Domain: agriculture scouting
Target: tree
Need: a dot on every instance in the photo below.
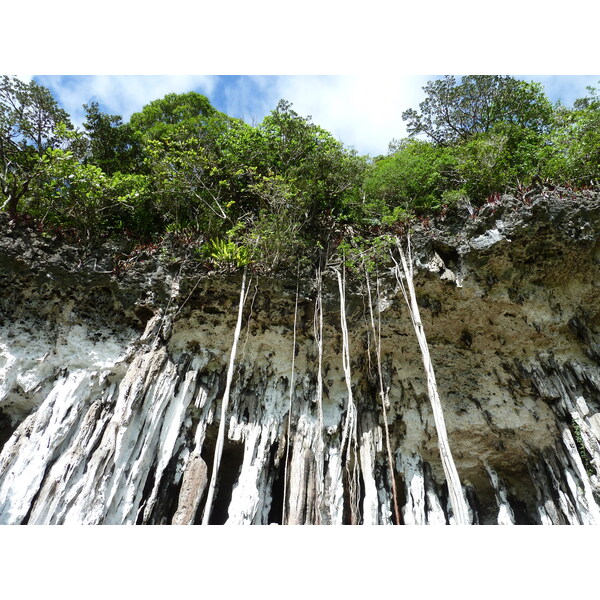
(73, 194)
(191, 186)
(572, 152)
(30, 121)
(274, 188)
(289, 139)
(178, 117)
(112, 145)
(453, 112)
(412, 179)
(275, 234)
(327, 174)
(182, 137)
(494, 129)
(501, 160)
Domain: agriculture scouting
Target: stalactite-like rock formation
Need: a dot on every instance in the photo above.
(112, 384)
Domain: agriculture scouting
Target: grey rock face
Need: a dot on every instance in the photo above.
(111, 383)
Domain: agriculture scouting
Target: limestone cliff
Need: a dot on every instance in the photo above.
(112, 379)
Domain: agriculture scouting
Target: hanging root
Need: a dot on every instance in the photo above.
(224, 404)
(166, 316)
(320, 449)
(349, 436)
(383, 393)
(289, 419)
(248, 320)
(459, 506)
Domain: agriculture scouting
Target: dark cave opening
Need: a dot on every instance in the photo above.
(277, 490)
(519, 508)
(145, 494)
(6, 428)
(167, 497)
(229, 471)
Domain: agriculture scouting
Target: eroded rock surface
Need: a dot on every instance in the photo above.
(111, 382)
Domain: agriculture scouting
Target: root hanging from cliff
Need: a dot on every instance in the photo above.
(349, 443)
(248, 321)
(382, 392)
(320, 449)
(459, 506)
(289, 419)
(224, 404)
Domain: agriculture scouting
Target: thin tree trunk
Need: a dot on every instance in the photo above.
(459, 506)
(224, 404)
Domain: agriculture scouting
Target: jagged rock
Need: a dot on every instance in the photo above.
(111, 382)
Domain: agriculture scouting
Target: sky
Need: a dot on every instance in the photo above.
(363, 111)
(353, 67)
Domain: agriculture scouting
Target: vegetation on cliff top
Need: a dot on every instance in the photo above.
(284, 190)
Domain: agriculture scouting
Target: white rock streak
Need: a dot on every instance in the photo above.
(505, 512)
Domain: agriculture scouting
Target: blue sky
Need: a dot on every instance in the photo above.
(363, 111)
(353, 67)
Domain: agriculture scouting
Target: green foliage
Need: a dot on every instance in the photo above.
(133, 206)
(29, 125)
(572, 150)
(495, 130)
(277, 233)
(74, 194)
(112, 145)
(29, 115)
(178, 117)
(359, 253)
(286, 180)
(481, 164)
(320, 166)
(453, 112)
(228, 253)
(582, 450)
(195, 182)
(283, 191)
(410, 180)
(80, 196)
(190, 187)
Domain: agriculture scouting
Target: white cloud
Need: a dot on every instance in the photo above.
(567, 88)
(119, 94)
(363, 111)
(249, 98)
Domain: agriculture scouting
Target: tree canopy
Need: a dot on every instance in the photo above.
(453, 112)
(30, 121)
(282, 191)
(111, 143)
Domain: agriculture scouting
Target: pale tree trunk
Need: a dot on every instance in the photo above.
(224, 404)
(457, 501)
